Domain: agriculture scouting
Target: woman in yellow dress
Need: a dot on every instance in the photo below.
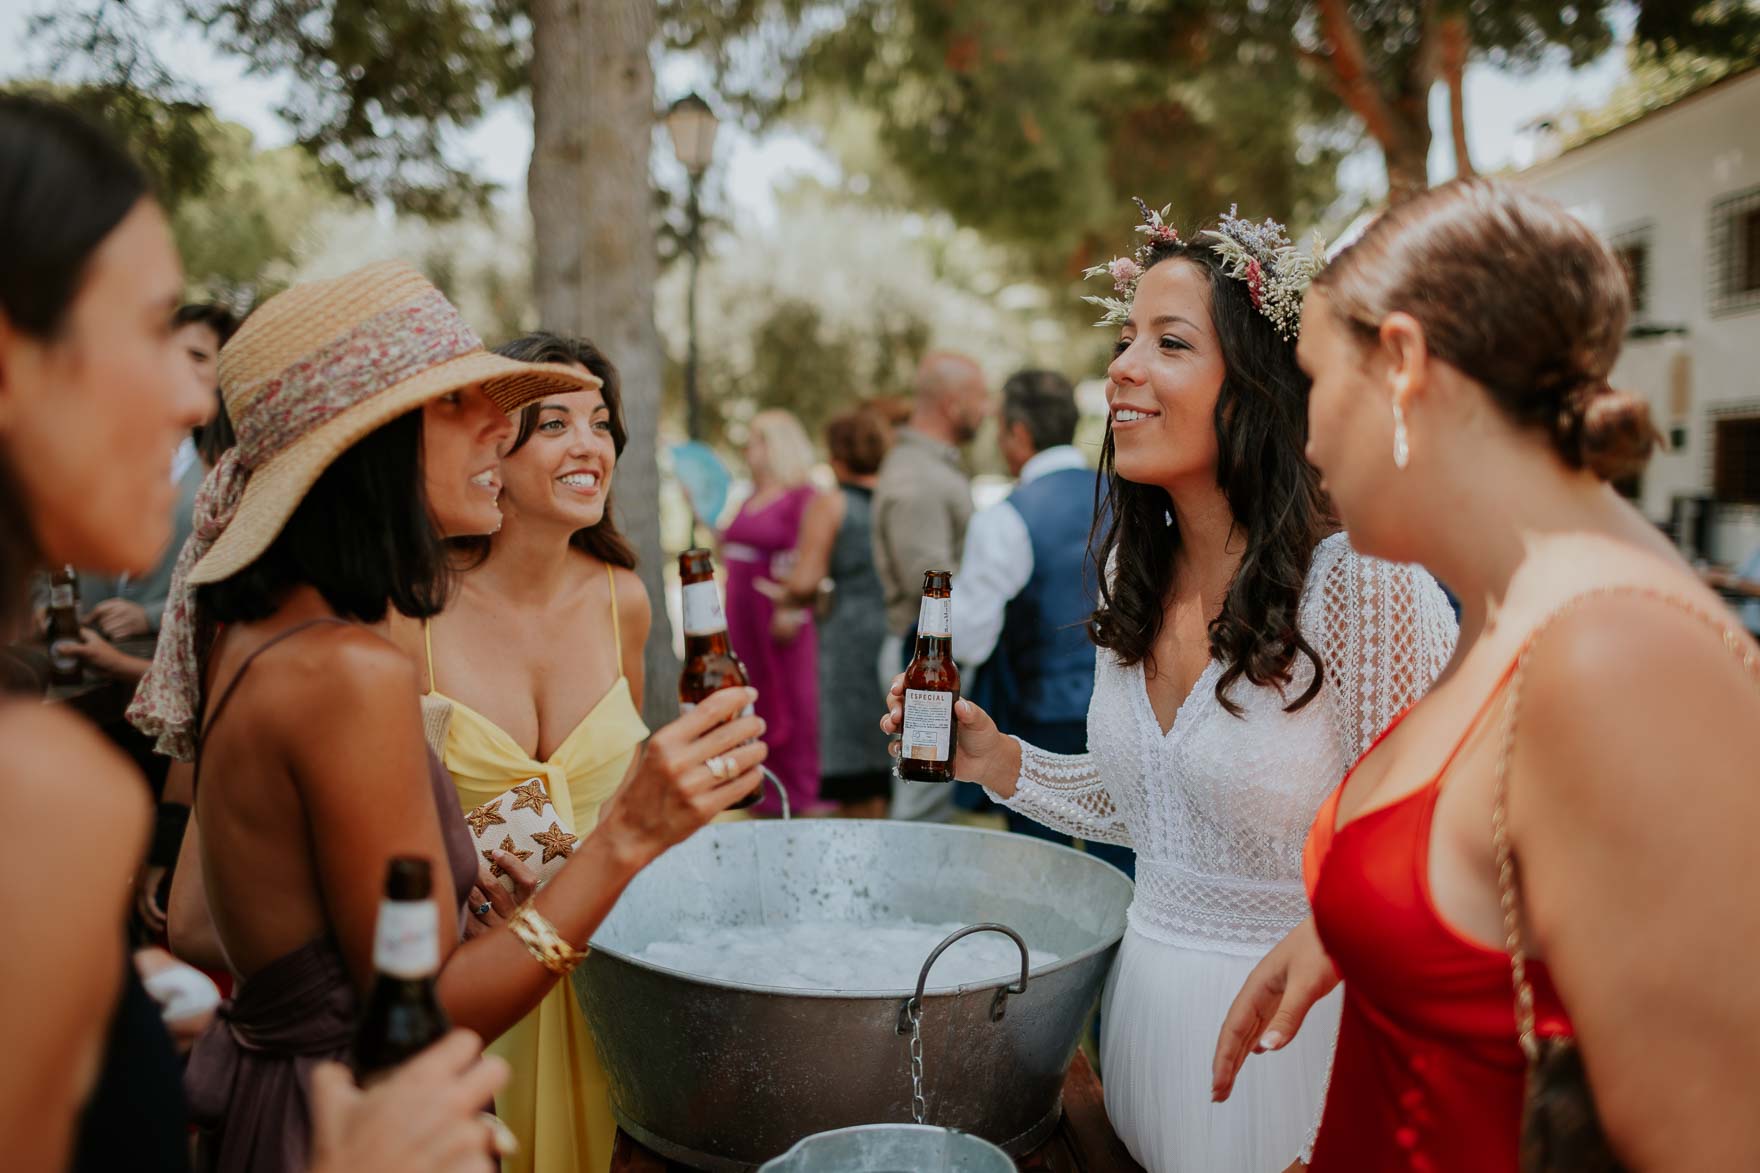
(539, 659)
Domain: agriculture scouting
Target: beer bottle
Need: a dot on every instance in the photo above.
(709, 662)
(931, 688)
(402, 1014)
(64, 669)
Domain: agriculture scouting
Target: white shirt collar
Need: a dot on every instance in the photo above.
(1058, 459)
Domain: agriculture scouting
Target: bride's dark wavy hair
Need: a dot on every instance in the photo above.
(1273, 492)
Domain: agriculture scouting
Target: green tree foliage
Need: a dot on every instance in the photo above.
(1032, 120)
(806, 365)
(374, 86)
(1725, 30)
(241, 236)
(1020, 118)
(1035, 122)
(107, 73)
(238, 214)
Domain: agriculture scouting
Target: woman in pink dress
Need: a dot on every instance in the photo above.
(777, 642)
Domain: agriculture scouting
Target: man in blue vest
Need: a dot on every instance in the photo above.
(1025, 589)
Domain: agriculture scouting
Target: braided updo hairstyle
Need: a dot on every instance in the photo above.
(1515, 292)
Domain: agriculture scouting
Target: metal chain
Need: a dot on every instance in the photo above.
(919, 1107)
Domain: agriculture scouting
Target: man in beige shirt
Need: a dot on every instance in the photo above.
(921, 506)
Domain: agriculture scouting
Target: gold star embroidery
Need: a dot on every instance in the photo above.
(496, 869)
(555, 842)
(530, 795)
(483, 818)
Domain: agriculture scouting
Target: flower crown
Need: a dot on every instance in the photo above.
(1277, 273)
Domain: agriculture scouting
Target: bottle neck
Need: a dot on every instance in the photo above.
(712, 643)
(703, 616)
(934, 620)
(933, 647)
(406, 939)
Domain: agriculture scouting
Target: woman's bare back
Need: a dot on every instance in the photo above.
(316, 753)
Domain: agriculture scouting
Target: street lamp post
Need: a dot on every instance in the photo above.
(692, 126)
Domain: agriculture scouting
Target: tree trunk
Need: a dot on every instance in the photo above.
(1399, 121)
(1407, 152)
(1455, 47)
(595, 258)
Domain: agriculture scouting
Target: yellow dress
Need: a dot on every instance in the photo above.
(557, 1101)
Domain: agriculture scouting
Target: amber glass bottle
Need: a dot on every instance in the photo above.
(63, 625)
(931, 688)
(402, 1013)
(709, 662)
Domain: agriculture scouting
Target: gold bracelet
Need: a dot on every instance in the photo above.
(543, 942)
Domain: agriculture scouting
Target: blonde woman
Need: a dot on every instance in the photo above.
(780, 651)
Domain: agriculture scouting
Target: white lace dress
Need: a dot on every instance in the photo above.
(1218, 809)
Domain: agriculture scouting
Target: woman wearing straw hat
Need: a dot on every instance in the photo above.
(369, 420)
(94, 400)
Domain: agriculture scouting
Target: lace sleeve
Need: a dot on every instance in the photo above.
(1064, 791)
(1387, 631)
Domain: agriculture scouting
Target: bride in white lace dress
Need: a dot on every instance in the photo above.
(1211, 742)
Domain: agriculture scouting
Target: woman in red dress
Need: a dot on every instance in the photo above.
(1462, 419)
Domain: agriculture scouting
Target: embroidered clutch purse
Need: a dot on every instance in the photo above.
(522, 822)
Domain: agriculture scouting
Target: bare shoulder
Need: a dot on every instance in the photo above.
(634, 610)
(339, 668)
(56, 767)
(1626, 686)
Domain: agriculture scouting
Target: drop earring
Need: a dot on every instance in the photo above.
(1402, 450)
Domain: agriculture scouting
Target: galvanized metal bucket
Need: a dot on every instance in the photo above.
(892, 1148)
(724, 1076)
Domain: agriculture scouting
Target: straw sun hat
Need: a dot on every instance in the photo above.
(321, 365)
(310, 373)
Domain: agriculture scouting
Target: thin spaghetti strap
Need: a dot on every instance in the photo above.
(616, 627)
(204, 726)
(1483, 711)
(428, 642)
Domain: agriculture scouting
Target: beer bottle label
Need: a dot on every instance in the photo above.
(936, 617)
(702, 609)
(61, 595)
(406, 940)
(928, 724)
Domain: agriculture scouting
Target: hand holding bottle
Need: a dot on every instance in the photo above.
(423, 1117)
(982, 754)
(689, 772)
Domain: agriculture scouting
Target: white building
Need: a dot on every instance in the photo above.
(1677, 192)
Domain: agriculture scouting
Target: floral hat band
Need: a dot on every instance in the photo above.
(378, 352)
(1275, 271)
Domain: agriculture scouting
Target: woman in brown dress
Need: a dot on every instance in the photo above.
(370, 421)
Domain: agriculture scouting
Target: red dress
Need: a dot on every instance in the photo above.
(1428, 1074)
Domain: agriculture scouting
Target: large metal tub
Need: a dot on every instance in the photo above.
(724, 1076)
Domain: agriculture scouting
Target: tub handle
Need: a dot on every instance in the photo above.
(780, 792)
(998, 1004)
